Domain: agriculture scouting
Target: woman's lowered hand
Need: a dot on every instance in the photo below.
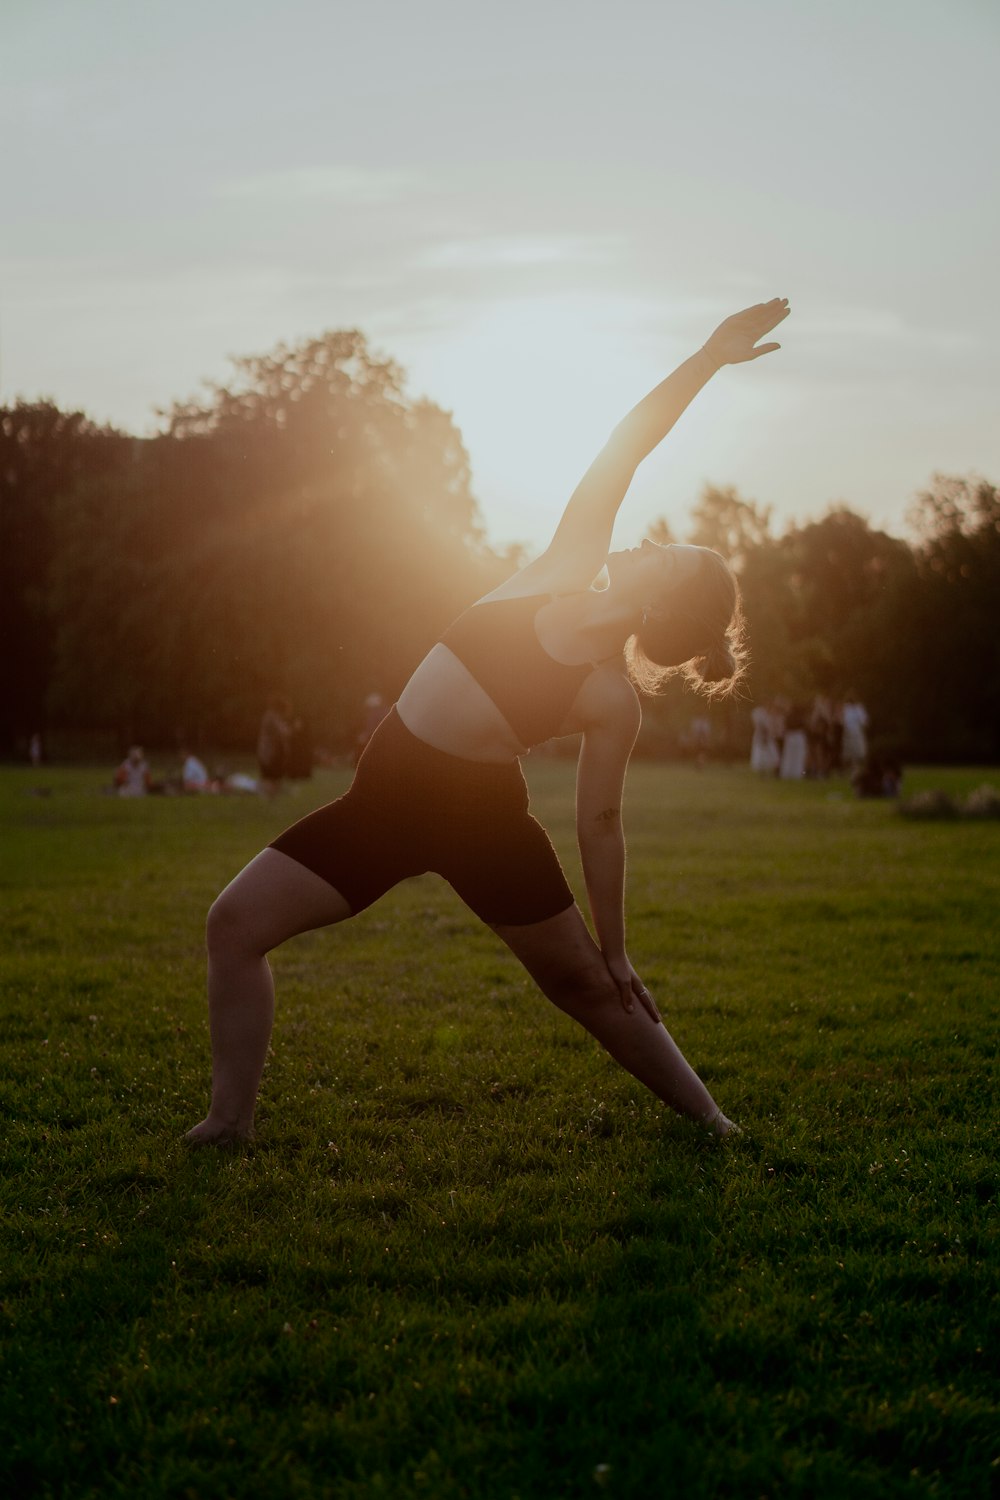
(631, 987)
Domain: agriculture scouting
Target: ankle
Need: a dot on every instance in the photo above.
(719, 1124)
(238, 1122)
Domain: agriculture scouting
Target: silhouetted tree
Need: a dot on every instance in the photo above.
(308, 530)
(950, 616)
(45, 454)
(838, 573)
(722, 519)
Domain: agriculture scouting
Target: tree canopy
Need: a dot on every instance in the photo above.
(308, 529)
(837, 606)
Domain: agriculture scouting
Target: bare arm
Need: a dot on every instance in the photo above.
(580, 545)
(600, 783)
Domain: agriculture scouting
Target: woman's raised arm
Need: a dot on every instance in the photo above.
(579, 548)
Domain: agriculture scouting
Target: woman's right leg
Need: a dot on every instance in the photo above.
(272, 899)
(568, 967)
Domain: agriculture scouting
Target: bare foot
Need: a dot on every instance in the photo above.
(720, 1125)
(211, 1132)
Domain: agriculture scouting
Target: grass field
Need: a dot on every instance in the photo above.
(467, 1256)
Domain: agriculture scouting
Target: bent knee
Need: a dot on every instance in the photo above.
(227, 926)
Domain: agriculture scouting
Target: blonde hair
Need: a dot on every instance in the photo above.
(697, 633)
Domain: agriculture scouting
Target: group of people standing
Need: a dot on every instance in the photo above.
(792, 740)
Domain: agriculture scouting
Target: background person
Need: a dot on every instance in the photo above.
(795, 745)
(764, 753)
(132, 777)
(439, 786)
(194, 774)
(272, 744)
(837, 736)
(299, 749)
(854, 743)
(819, 733)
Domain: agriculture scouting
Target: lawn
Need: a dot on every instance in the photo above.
(467, 1255)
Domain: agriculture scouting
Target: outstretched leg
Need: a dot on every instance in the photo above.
(567, 965)
(272, 899)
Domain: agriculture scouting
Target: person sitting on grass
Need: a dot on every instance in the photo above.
(194, 775)
(132, 777)
(439, 785)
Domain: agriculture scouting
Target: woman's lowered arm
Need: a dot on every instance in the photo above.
(600, 781)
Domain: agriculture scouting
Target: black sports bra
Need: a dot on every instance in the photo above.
(496, 640)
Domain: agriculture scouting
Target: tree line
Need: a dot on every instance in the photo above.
(309, 530)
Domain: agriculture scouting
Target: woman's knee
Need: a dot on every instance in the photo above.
(271, 900)
(583, 989)
(227, 927)
(564, 961)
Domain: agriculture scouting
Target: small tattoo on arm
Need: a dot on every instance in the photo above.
(607, 815)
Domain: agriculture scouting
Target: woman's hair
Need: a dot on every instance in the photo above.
(696, 632)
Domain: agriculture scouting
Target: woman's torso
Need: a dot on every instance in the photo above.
(446, 705)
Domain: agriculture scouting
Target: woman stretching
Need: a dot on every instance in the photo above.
(439, 786)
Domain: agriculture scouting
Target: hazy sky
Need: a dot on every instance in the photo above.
(537, 207)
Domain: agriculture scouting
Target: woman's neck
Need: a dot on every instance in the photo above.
(605, 623)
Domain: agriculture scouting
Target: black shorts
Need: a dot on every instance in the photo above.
(411, 809)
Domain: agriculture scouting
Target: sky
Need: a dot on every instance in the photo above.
(538, 209)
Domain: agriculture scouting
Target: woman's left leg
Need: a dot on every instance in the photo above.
(271, 900)
(568, 967)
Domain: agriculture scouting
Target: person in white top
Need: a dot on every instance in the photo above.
(795, 747)
(854, 747)
(194, 776)
(132, 777)
(764, 755)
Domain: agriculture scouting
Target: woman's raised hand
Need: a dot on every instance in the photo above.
(735, 340)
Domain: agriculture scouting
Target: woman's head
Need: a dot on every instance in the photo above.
(692, 624)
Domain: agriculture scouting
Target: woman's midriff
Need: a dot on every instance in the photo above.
(444, 705)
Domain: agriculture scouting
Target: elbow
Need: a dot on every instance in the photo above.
(604, 841)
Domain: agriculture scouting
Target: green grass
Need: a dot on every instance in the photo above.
(467, 1256)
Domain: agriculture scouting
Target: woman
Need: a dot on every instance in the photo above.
(272, 744)
(854, 743)
(439, 786)
(795, 746)
(132, 777)
(764, 756)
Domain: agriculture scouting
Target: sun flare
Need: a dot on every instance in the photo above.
(536, 385)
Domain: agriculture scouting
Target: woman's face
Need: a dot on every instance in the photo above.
(651, 571)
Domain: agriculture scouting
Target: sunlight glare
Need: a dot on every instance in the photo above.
(536, 386)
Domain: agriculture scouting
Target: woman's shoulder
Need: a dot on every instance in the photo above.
(545, 577)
